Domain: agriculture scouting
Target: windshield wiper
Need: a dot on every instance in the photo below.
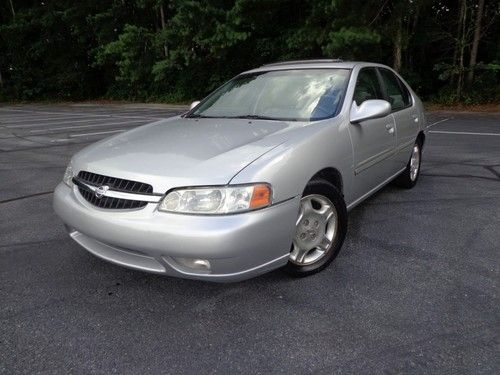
(254, 117)
(198, 116)
(249, 117)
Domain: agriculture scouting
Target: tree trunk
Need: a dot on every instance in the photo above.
(398, 46)
(12, 9)
(475, 42)
(1, 80)
(461, 47)
(163, 26)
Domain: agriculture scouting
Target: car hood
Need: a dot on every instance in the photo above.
(183, 151)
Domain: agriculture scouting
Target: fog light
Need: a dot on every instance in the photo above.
(196, 264)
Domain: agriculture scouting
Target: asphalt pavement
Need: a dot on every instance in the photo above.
(414, 289)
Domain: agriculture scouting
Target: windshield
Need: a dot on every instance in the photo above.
(293, 95)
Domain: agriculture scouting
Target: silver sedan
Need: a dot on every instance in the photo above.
(259, 175)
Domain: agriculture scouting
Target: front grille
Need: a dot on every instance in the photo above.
(117, 184)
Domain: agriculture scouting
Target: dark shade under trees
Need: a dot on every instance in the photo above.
(173, 50)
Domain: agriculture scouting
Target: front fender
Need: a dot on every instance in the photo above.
(291, 165)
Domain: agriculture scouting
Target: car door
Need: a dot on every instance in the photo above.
(405, 115)
(373, 140)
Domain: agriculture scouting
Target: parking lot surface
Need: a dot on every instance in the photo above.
(414, 289)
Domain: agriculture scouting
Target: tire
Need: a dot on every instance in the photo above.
(408, 179)
(320, 226)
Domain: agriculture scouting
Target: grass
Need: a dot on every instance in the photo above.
(492, 107)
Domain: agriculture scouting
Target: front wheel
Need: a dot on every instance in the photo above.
(320, 229)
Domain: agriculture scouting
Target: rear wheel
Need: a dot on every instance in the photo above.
(408, 178)
(320, 229)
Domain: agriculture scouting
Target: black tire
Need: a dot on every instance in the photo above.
(326, 189)
(404, 180)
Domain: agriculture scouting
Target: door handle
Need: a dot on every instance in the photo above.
(390, 128)
(414, 117)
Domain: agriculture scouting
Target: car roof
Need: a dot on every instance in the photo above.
(312, 64)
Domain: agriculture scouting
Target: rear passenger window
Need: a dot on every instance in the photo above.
(367, 86)
(396, 92)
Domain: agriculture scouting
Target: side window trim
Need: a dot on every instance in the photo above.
(377, 74)
(405, 89)
(384, 89)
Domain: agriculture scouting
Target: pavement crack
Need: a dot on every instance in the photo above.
(26, 196)
(460, 176)
(28, 140)
(491, 168)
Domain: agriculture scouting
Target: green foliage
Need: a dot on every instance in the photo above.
(198, 36)
(134, 55)
(484, 89)
(350, 42)
(178, 50)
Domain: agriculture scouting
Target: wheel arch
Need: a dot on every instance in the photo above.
(332, 175)
(421, 138)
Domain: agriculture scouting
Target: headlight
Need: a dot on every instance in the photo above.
(68, 175)
(217, 200)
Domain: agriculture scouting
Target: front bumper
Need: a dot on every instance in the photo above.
(238, 246)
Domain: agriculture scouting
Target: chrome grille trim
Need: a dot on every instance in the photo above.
(117, 184)
(150, 198)
(117, 193)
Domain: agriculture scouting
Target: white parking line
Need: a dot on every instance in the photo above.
(19, 116)
(463, 133)
(36, 119)
(78, 114)
(87, 126)
(96, 133)
(438, 122)
(65, 121)
(41, 126)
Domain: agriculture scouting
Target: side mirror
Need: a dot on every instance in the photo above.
(194, 104)
(369, 109)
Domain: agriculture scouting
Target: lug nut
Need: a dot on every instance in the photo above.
(306, 222)
(302, 236)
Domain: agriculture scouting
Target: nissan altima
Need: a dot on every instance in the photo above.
(259, 175)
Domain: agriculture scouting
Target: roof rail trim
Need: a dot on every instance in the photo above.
(316, 61)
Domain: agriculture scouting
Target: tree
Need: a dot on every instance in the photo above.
(475, 41)
(181, 49)
(12, 8)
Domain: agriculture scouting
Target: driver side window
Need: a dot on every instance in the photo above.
(367, 86)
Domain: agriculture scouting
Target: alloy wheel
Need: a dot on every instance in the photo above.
(316, 229)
